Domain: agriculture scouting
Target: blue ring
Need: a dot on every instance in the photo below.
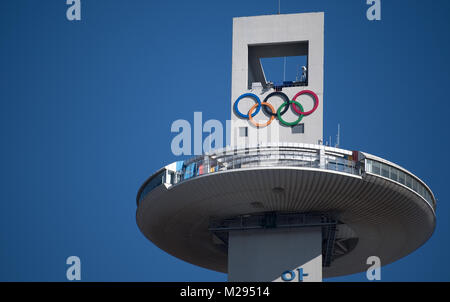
(250, 95)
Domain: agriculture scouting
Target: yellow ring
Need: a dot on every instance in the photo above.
(250, 118)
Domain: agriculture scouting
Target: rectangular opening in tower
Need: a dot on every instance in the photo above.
(278, 65)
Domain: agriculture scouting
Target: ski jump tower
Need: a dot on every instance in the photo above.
(277, 204)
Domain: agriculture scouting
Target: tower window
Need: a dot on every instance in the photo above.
(300, 128)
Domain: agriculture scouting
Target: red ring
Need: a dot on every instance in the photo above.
(316, 102)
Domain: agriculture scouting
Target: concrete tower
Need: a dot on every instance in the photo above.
(278, 205)
(255, 38)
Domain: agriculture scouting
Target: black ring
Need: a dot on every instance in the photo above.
(283, 96)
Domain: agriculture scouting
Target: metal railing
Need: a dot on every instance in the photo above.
(296, 156)
(261, 156)
(266, 157)
(407, 179)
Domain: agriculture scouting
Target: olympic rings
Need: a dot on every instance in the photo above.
(286, 105)
(272, 115)
(280, 94)
(247, 95)
(270, 110)
(316, 102)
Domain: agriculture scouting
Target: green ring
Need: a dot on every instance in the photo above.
(287, 104)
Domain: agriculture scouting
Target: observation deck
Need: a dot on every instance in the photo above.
(378, 208)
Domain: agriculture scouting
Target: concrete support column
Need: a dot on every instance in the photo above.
(271, 254)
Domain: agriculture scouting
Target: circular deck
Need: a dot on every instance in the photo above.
(390, 219)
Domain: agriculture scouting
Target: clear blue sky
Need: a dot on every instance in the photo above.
(86, 109)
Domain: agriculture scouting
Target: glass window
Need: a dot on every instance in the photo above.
(401, 177)
(376, 168)
(339, 164)
(427, 196)
(368, 165)
(384, 170)
(420, 190)
(414, 185)
(394, 174)
(348, 167)
(408, 181)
